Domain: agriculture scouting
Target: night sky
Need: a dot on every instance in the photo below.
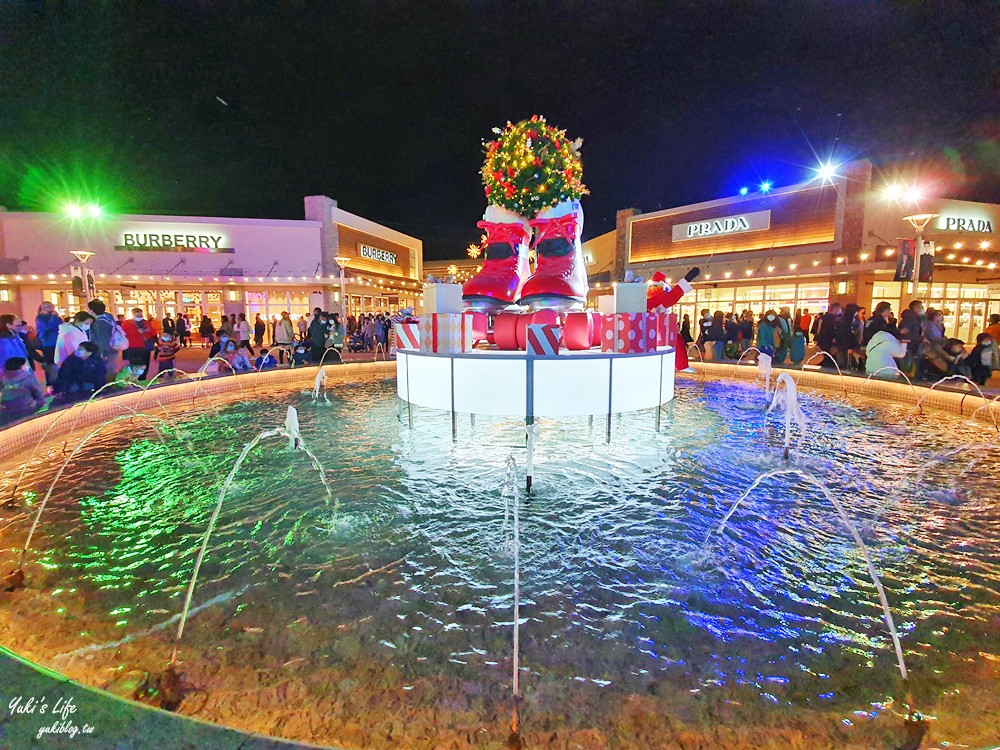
(241, 109)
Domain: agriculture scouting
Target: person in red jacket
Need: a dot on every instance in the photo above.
(141, 341)
(662, 297)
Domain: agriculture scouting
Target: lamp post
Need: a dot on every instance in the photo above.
(343, 262)
(919, 223)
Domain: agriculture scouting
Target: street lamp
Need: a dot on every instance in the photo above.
(343, 262)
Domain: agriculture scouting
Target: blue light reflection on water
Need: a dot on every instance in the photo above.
(613, 539)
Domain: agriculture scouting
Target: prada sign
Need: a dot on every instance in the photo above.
(754, 221)
(374, 253)
(173, 243)
(977, 225)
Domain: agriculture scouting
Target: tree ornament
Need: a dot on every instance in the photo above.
(532, 166)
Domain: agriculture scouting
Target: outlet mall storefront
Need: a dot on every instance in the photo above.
(811, 244)
(207, 266)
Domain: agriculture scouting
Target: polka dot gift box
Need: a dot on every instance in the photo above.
(628, 333)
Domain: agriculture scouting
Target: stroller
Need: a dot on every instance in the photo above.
(357, 342)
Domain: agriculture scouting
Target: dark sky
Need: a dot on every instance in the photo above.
(384, 105)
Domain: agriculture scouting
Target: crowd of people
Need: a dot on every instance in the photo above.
(914, 345)
(64, 359)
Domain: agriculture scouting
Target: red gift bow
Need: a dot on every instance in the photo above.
(496, 232)
(561, 227)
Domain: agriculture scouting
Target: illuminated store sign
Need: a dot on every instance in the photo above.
(374, 253)
(173, 243)
(964, 224)
(696, 230)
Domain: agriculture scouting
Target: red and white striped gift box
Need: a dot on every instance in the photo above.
(407, 336)
(543, 339)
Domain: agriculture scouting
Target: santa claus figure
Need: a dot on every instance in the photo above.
(660, 298)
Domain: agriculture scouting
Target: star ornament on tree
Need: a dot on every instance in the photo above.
(474, 250)
(452, 270)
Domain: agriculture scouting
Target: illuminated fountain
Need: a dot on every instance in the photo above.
(258, 585)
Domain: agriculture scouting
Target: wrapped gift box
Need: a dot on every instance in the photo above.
(630, 297)
(407, 336)
(660, 322)
(446, 333)
(627, 333)
(445, 299)
(543, 339)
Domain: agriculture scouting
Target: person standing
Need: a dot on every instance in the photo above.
(910, 325)
(259, 329)
(805, 324)
(207, 332)
(141, 341)
(169, 325)
(243, 332)
(47, 325)
(284, 337)
(686, 329)
(101, 332)
(166, 352)
(783, 335)
(303, 326)
(336, 339)
(71, 335)
(183, 330)
(11, 345)
(767, 335)
(317, 334)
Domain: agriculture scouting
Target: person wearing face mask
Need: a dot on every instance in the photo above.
(141, 341)
(11, 345)
(300, 356)
(71, 335)
(982, 358)
(80, 374)
(128, 376)
(47, 329)
(767, 334)
(219, 345)
(237, 358)
(166, 352)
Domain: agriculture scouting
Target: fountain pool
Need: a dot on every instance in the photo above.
(382, 617)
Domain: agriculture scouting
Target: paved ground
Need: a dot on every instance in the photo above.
(77, 716)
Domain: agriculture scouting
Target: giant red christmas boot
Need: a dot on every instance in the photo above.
(560, 278)
(505, 262)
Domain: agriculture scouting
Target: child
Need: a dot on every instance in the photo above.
(81, 373)
(22, 393)
(265, 361)
(129, 376)
(300, 356)
(166, 351)
(237, 358)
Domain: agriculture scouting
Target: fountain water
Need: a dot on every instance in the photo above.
(821, 353)
(984, 449)
(319, 387)
(764, 365)
(18, 575)
(912, 716)
(512, 547)
(743, 356)
(531, 431)
(979, 390)
(290, 430)
(898, 372)
(697, 349)
(859, 542)
(788, 401)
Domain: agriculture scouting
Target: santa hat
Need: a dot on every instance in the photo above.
(659, 277)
